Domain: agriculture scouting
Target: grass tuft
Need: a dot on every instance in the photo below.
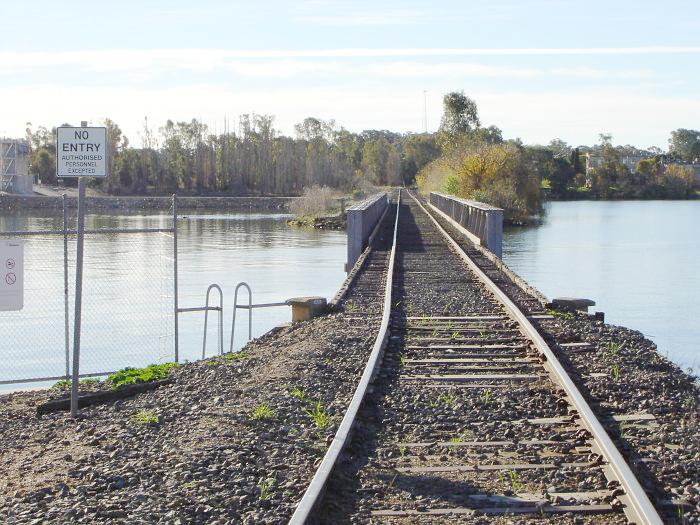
(266, 488)
(486, 397)
(299, 394)
(145, 417)
(320, 418)
(234, 356)
(262, 411)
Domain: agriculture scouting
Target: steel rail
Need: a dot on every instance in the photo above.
(313, 493)
(640, 509)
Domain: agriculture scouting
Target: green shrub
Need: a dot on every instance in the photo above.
(130, 376)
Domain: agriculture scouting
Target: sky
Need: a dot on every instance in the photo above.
(538, 69)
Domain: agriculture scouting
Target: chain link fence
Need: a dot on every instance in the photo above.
(129, 293)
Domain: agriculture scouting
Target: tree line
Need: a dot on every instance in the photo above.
(255, 159)
(475, 162)
(462, 157)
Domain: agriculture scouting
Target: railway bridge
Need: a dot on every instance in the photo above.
(463, 409)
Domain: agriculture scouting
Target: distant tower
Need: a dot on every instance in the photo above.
(14, 167)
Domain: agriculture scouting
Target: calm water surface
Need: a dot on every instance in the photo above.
(127, 303)
(638, 260)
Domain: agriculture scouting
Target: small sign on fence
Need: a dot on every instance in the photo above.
(81, 152)
(11, 275)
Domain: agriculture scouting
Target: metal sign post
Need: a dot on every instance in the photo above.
(80, 152)
(11, 275)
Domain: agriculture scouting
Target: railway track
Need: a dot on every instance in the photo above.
(463, 413)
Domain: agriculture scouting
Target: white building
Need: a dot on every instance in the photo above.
(14, 167)
(595, 161)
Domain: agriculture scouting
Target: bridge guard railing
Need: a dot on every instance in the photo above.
(483, 223)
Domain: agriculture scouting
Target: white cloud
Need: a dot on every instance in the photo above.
(396, 17)
(420, 69)
(588, 72)
(146, 64)
(124, 59)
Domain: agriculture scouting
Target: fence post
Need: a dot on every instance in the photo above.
(175, 297)
(65, 285)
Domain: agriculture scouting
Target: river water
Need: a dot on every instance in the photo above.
(128, 290)
(639, 260)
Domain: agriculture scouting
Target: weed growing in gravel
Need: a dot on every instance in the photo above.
(449, 399)
(145, 417)
(454, 443)
(403, 447)
(689, 401)
(455, 335)
(403, 360)
(234, 356)
(299, 394)
(266, 487)
(64, 384)
(320, 418)
(615, 372)
(350, 306)
(262, 411)
(613, 350)
(562, 315)
(486, 397)
(514, 480)
(130, 376)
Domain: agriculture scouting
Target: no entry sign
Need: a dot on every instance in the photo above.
(81, 152)
(11, 275)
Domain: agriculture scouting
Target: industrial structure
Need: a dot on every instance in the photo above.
(14, 167)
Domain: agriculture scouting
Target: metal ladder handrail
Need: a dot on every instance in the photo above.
(221, 319)
(250, 306)
(206, 309)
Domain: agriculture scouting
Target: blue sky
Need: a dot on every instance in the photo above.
(537, 69)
